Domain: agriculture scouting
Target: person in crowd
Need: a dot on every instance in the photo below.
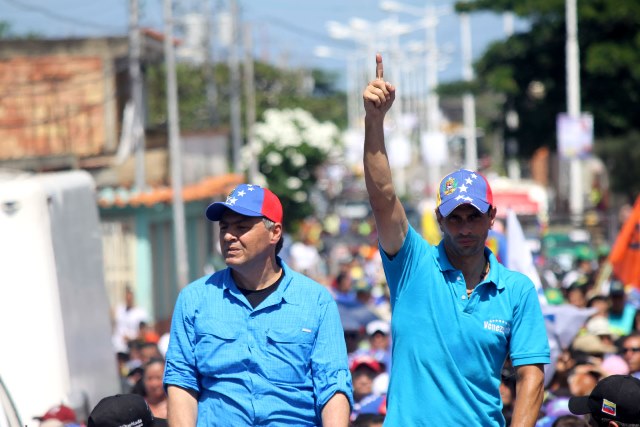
(256, 343)
(303, 253)
(456, 312)
(583, 378)
(127, 318)
(124, 410)
(147, 333)
(601, 304)
(614, 402)
(577, 294)
(369, 420)
(621, 312)
(630, 350)
(61, 415)
(153, 390)
(569, 421)
(379, 345)
(364, 370)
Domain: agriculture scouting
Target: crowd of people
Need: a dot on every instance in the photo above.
(606, 343)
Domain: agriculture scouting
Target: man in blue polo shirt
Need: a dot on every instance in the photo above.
(457, 313)
(256, 343)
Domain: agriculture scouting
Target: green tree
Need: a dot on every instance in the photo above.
(313, 90)
(519, 67)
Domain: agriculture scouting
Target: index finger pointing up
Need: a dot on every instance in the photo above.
(379, 67)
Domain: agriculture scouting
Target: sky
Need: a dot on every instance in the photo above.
(285, 32)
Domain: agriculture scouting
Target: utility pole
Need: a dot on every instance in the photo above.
(135, 76)
(468, 100)
(211, 89)
(250, 93)
(175, 154)
(234, 70)
(576, 200)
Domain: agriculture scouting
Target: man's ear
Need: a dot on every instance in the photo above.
(439, 218)
(276, 232)
(492, 214)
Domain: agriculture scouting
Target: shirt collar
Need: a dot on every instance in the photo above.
(494, 265)
(284, 292)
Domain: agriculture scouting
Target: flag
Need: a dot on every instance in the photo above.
(132, 133)
(562, 322)
(519, 256)
(625, 254)
(497, 242)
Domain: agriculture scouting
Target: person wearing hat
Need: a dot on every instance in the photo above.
(615, 401)
(457, 313)
(256, 343)
(124, 410)
(621, 312)
(59, 415)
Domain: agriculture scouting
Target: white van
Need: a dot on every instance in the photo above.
(54, 314)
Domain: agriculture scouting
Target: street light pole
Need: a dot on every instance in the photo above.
(175, 153)
(468, 100)
(576, 199)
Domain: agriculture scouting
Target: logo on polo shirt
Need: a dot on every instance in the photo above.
(498, 325)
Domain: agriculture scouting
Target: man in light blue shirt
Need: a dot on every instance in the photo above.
(457, 313)
(256, 343)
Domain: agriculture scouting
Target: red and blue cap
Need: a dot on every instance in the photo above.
(248, 200)
(463, 187)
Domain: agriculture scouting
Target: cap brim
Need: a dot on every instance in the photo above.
(216, 210)
(449, 206)
(579, 405)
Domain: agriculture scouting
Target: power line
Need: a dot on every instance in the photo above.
(285, 25)
(58, 17)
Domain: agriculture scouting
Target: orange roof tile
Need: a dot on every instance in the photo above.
(206, 189)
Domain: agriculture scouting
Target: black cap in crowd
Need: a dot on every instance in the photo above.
(616, 397)
(130, 410)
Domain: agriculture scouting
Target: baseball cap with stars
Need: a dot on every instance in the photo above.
(463, 187)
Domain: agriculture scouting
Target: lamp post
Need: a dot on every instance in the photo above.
(576, 200)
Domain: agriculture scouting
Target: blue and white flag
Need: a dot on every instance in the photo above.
(519, 256)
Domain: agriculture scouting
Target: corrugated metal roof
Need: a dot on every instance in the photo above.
(207, 189)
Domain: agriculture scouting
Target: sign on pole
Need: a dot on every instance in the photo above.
(575, 135)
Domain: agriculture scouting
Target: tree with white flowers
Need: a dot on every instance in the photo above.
(289, 146)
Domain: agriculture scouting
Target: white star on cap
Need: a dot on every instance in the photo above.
(241, 193)
(250, 188)
(468, 181)
(463, 188)
(460, 197)
(468, 199)
(231, 201)
(474, 176)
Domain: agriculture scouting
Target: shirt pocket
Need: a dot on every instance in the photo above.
(217, 348)
(289, 352)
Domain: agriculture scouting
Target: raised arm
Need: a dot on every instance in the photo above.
(391, 219)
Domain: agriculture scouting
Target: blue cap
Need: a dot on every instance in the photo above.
(463, 187)
(248, 200)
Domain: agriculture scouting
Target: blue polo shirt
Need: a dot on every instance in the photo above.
(448, 349)
(277, 364)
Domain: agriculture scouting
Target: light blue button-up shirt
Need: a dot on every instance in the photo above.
(277, 364)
